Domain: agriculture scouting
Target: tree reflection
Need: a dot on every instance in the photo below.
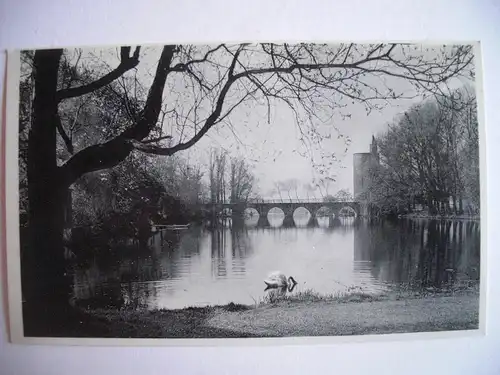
(422, 254)
(218, 249)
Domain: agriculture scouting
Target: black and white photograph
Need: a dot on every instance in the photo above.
(245, 190)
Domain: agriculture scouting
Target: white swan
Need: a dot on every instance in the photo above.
(278, 280)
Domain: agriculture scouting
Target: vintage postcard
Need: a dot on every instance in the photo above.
(242, 191)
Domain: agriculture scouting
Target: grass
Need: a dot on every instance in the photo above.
(275, 315)
(354, 294)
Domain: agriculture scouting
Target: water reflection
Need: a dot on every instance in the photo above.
(227, 261)
(427, 253)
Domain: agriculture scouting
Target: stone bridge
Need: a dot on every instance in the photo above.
(289, 206)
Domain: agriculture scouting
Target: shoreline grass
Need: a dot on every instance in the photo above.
(352, 294)
(262, 319)
(235, 320)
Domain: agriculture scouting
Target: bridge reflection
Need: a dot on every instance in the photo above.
(277, 221)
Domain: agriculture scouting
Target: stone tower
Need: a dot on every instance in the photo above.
(361, 165)
(374, 151)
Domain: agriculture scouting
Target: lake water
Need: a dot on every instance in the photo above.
(229, 260)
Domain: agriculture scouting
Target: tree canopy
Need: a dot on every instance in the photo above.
(430, 155)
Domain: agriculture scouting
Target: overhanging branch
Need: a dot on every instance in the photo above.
(211, 120)
(111, 153)
(289, 74)
(127, 62)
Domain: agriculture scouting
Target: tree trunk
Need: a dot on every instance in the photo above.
(46, 288)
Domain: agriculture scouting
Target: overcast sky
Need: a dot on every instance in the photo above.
(272, 147)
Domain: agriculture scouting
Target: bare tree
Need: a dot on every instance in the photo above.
(288, 186)
(241, 182)
(294, 184)
(310, 189)
(323, 184)
(278, 188)
(217, 172)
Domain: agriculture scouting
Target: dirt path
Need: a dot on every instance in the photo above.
(333, 318)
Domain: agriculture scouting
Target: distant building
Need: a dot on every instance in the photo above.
(362, 163)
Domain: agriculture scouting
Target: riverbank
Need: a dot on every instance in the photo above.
(305, 314)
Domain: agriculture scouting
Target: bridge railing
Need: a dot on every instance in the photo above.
(304, 200)
(281, 201)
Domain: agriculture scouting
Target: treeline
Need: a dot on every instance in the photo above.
(231, 179)
(429, 159)
(342, 195)
(163, 191)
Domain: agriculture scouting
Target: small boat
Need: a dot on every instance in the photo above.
(174, 227)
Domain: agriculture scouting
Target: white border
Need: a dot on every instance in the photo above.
(13, 259)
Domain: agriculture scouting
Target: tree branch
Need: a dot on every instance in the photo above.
(157, 139)
(149, 115)
(296, 75)
(180, 67)
(127, 62)
(211, 120)
(109, 154)
(64, 136)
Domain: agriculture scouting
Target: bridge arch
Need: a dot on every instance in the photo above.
(347, 211)
(324, 211)
(275, 211)
(302, 216)
(275, 217)
(301, 210)
(253, 221)
(227, 211)
(249, 212)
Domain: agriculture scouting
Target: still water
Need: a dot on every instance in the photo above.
(228, 261)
